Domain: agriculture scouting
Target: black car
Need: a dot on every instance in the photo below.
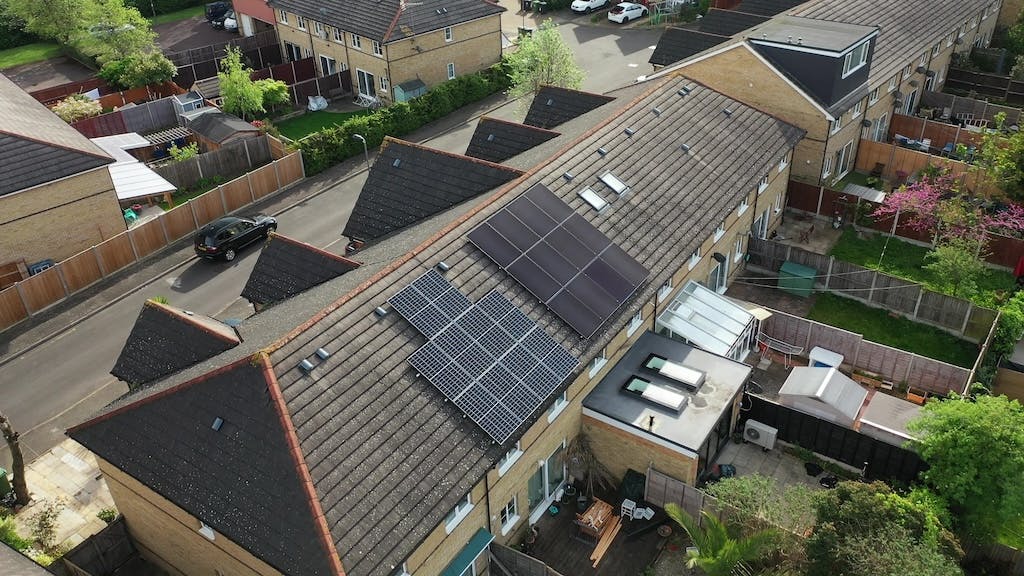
(218, 22)
(225, 237)
(216, 10)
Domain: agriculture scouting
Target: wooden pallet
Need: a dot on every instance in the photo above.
(606, 539)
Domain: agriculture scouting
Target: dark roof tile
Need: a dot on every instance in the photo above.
(496, 140)
(728, 22)
(767, 7)
(218, 126)
(287, 267)
(677, 44)
(552, 106)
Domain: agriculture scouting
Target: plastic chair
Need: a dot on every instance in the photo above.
(130, 215)
(628, 508)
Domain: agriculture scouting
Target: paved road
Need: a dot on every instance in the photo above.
(59, 383)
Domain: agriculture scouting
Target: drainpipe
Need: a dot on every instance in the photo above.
(487, 497)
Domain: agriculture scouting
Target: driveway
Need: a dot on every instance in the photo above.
(191, 33)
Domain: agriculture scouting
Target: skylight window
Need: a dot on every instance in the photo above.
(683, 374)
(594, 199)
(656, 393)
(614, 183)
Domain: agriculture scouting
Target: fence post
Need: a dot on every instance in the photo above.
(871, 292)
(199, 166)
(301, 163)
(828, 275)
(920, 295)
(21, 295)
(277, 175)
(223, 202)
(789, 251)
(248, 181)
(248, 159)
(195, 219)
(856, 352)
(967, 318)
(131, 242)
(910, 366)
(63, 281)
(99, 261)
(163, 226)
(817, 209)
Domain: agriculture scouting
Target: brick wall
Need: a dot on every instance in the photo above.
(59, 219)
(621, 451)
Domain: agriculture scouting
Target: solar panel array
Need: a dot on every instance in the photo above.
(562, 259)
(489, 358)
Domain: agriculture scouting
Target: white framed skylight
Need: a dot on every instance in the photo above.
(614, 183)
(593, 198)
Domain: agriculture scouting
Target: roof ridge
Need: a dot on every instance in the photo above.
(311, 248)
(394, 21)
(423, 246)
(502, 167)
(295, 451)
(517, 124)
(190, 319)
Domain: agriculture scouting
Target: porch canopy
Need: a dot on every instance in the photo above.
(708, 320)
(132, 179)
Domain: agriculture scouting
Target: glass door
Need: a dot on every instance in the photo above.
(545, 482)
(366, 83)
(718, 275)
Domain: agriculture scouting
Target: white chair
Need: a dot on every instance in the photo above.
(628, 508)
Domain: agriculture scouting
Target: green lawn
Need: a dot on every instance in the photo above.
(177, 16)
(878, 326)
(28, 53)
(310, 122)
(905, 260)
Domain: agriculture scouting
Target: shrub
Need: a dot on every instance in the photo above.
(136, 70)
(108, 515)
(77, 107)
(183, 153)
(9, 535)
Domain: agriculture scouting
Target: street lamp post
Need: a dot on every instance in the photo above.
(366, 153)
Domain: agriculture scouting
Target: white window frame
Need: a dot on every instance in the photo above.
(962, 30)
(509, 459)
(282, 16)
(339, 36)
(327, 62)
(458, 514)
(826, 167)
(907, 71)
(873, 96)
(738, 248)
(405, 570)
(451, 70)
(720, 231)
(635, 322)
(893, 82)
(845, 160)
(206, 531)
(936, 48)
(378, 50)
(837, 124)
(300, 21)
(880, 121)
(598, 362)
(849, 65)
(319, 27)
(695, 257)
(784, 161)
(509, 515)
(356, 42)
(385, 85)
(763, 184)
(777, 204)
(949, 39)
(664, 290)
(742, 207)
(857, 109)
(940, 74)
(448, 36)
(558, 407)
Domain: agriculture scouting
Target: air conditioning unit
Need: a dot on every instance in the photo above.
(761, 434)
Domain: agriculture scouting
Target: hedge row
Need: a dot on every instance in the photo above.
(330, 146)
(12, 36)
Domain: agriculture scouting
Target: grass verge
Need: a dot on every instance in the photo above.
(878, 326)
(28, 54)
(310, 122)
(906, 260)
(178, 15)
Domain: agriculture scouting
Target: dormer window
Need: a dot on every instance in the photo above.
(855, 59)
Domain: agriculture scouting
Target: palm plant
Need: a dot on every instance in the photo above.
(717, 552)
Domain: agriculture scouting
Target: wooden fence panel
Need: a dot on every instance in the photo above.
(853, 279)
(42, 290)
(277, 148)
(81, 270)
(236, 193)
(518, 563)
(788, 329)
(290, 169)
(888, 362)
(894, 293)
(980, 323)
(115, 253)
(179, 222)
(148, 237)
(263, 181)
(943, 310)
(181, 174)
(834, 339)
(803, 196)
(12, 310)
(208, 207)
(998, 552)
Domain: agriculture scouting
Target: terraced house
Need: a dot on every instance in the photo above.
(394, 49)
(399, 417)
(839, 69)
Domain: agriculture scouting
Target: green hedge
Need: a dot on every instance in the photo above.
(12, 36)
(328, 147)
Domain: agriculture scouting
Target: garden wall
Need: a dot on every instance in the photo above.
(1001, 87)
(36, 293)
(940, 133)
(228, 161)
(965, 108)
(144, 118)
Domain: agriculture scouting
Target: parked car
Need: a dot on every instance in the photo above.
(588, 6)
(230, 22)
(223, 238)
(221, 22)
(216, 10)
(627, 11)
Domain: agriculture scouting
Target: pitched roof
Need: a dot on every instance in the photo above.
(287, 267)
(166, 339)
(552, 106)
(678, 44)
(409, 183)
(17, 564)
(767, 7)
(728, 22)
(496, 140)
(908, 27)
(389, 20)
(245, 479)
(36, 146)
(208, 88)
(218, 126)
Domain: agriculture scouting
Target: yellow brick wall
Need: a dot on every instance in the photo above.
(621, 451)
(59, 219)
(169, 536)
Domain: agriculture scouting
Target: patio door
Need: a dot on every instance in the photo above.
(880, 129)
(366, 83)
(292, 52)
(760, 226)
(718, 276)
(908, 105)
(548, 478)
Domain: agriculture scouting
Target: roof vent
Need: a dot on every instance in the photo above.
(568, 176)
(629, 131)
(789, 39)
(602, 151)
(189, 313)
(656, 111)
(685, 148)
(800, 41)
(322, 353)
(727, 112)
(764, 35)
(550, 102)
(306, 366)
(396, 162)
(442, 266)
(380, 311)
(217, 423)
(490, 137)
(444, 10)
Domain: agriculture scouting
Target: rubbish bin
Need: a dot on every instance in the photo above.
(5, 483)
(527, 5)
(540, 6)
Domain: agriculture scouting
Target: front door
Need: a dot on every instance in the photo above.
(542, 486)
(366, 83)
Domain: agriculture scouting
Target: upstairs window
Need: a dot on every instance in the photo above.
(742, 207)
(784, 161)
(319, 28)
(857, 109)
(837, 124)
(694, 258)
(377, 50)
(339, 36)
(873, 97)
(936, 48)
(448, 34)
(356, 42)
(892, 83)
(719, 231)
(762, 184)
(855, 59)
(282, 16)
(301, 22)
(665, 289)
(457, 514)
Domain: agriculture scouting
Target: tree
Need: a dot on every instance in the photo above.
(77, 107)
(758, 499)
(893, 551)
(13, 439)
(183, 153)
(855, 514)
(542, 58)
(956, 264)
(141, 69)
(59, 20)
(240, 94)
(1001, 157)
(275, 93)
(718, 552)
(975, 452)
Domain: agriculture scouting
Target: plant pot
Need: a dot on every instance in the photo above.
(664, 530)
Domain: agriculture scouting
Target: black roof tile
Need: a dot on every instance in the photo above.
(242, 480)
(552, 106)
(166, 339)
(409, 183)
(496, 140)
(728, 22)
(677, 44)
(767, 7)
(218, 126)
(287, 267)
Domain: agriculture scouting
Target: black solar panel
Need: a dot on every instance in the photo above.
(562, 259)
(488, 358)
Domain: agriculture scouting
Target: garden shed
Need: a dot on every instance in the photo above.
(825, 393)
(797, 279)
